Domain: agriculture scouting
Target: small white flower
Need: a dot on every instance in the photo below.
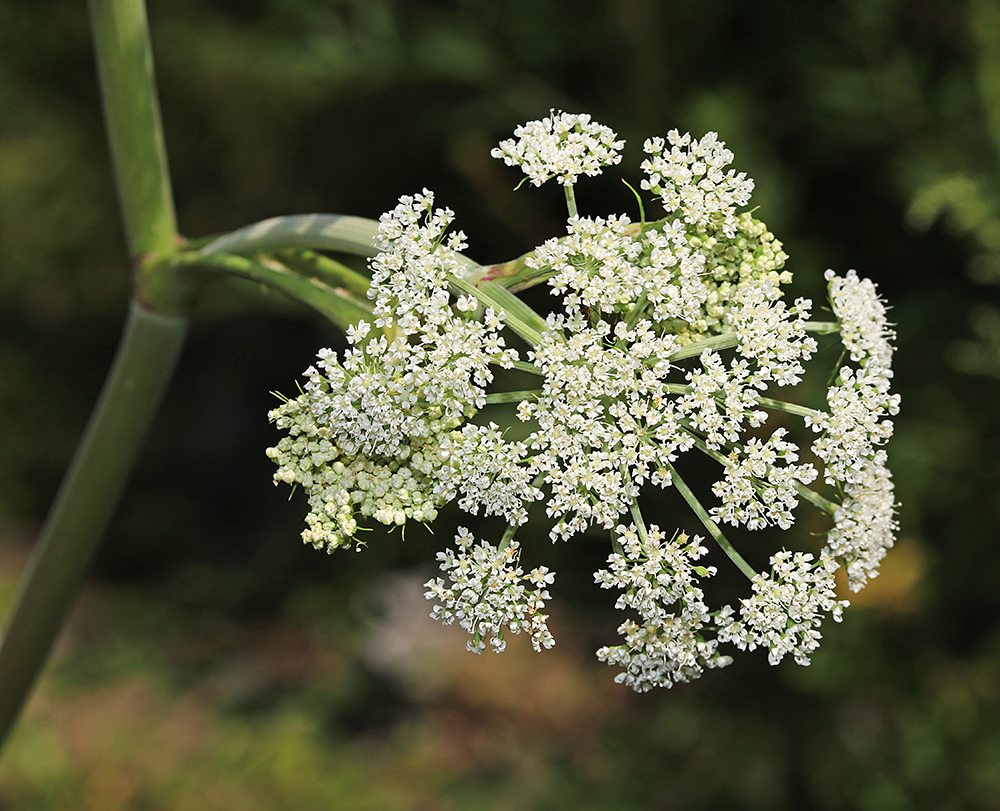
(688, 176)
(486, 593)
(357, 332)
(658, 580)
(786, 609)
(562, 145)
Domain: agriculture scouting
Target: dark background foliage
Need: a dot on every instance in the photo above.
(215, 662)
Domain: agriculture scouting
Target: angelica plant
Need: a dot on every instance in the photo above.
(667, 339)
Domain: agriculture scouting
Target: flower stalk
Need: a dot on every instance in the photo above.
(150, 345)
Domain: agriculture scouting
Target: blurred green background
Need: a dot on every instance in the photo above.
(215, 663)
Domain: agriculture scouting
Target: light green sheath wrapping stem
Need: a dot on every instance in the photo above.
(333, 232)
(83, 506)
(146, 358)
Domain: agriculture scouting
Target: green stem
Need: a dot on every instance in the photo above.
(89, 493)
(812, 496)
(530, 368)
(508, 535)
(616, 545)
(788, 408)
(339, 305)
(709, 524)
(637, 311)
(640, 525)
(821, 327)
(150, 345)
(332, 232)
(334, 274)
(511, 396)
(570, 200)
(726, 340)
(700, 444)
(135, 136)
(723, 341)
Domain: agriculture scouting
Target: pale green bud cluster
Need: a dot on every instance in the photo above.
(342, 486)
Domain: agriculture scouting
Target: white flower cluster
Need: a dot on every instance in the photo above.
(365, 436)
(864, 328)
(487, 593)
(758, 491)
(859, 406)
(786, 609)
(604, 418)
(773, 335)
(669, 340)
(688, 176)
(489, 472)
(608, 265)
(856, 422)
(561, 145)
(686, 278)
(865, 524)
(658, 580)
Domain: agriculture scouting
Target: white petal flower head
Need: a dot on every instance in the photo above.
(688, 175)
(862, 314)
(562, 145)
(659, 580)
(665, 338)
(787, 608)
(860, 403)
(488, 592)
(865, 524)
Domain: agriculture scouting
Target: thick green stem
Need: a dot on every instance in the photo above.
(135, 135)
(332, 232)
(86, 500)
(149, 349)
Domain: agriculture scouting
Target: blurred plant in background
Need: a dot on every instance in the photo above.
(839, 111)
(964, 189)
